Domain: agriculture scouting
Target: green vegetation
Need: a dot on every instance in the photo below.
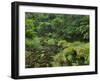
(54, 40)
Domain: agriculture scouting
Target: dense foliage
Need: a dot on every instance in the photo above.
(56, 40)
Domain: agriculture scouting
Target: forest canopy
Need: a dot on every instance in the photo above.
(53, 40)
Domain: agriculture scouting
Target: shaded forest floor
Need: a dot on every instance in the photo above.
(55, 54)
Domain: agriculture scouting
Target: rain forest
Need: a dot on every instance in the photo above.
(56, 40)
